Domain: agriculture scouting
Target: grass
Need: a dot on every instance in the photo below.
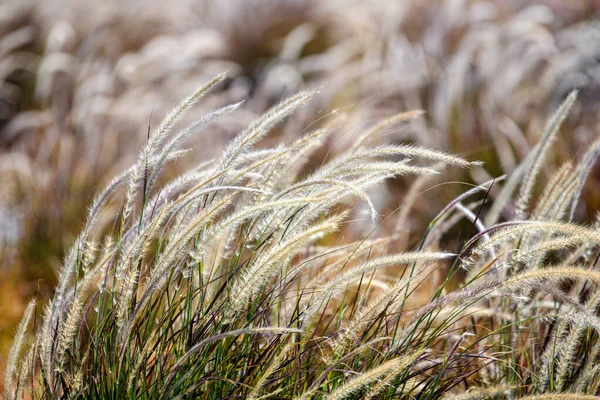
(232, 281)
(79, 89)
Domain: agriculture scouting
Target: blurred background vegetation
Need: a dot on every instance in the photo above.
(81, 81)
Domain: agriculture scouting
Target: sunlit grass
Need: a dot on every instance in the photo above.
(219, 283)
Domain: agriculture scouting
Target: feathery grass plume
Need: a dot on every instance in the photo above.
(331, 182)
(78, 384)
(25, 372)
(14, 356)
(568, 348)
(429, 154)
(137, 245)
(539, 155)
(482, 393)
(551, 274)
(334, 285)
(584, 170)
(562, 202)
(332, 366)
(165, 126)
(177, 140)
(383, 384)
(154, 140)
(68, 330)
(261, 127)
(248, 212)
(353, 330)
(514, 230)
(506, 288)
(270, 370)
(386, 123)
(366, 315)
(552, 191)
(177, 247)
(47, 342)
(373, 173)
(126, 298)
(386, 382)
(590, 372)
(350, 158)
(545, 247)
(296, 151)
(394, 366)
(260, 272)
(567, 356)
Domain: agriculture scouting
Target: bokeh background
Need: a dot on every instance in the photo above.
(81, 81)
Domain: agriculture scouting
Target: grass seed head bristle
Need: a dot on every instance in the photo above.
(15, 351)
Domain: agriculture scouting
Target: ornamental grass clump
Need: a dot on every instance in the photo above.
(240, 279)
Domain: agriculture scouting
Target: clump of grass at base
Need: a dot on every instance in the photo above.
(217, 284)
